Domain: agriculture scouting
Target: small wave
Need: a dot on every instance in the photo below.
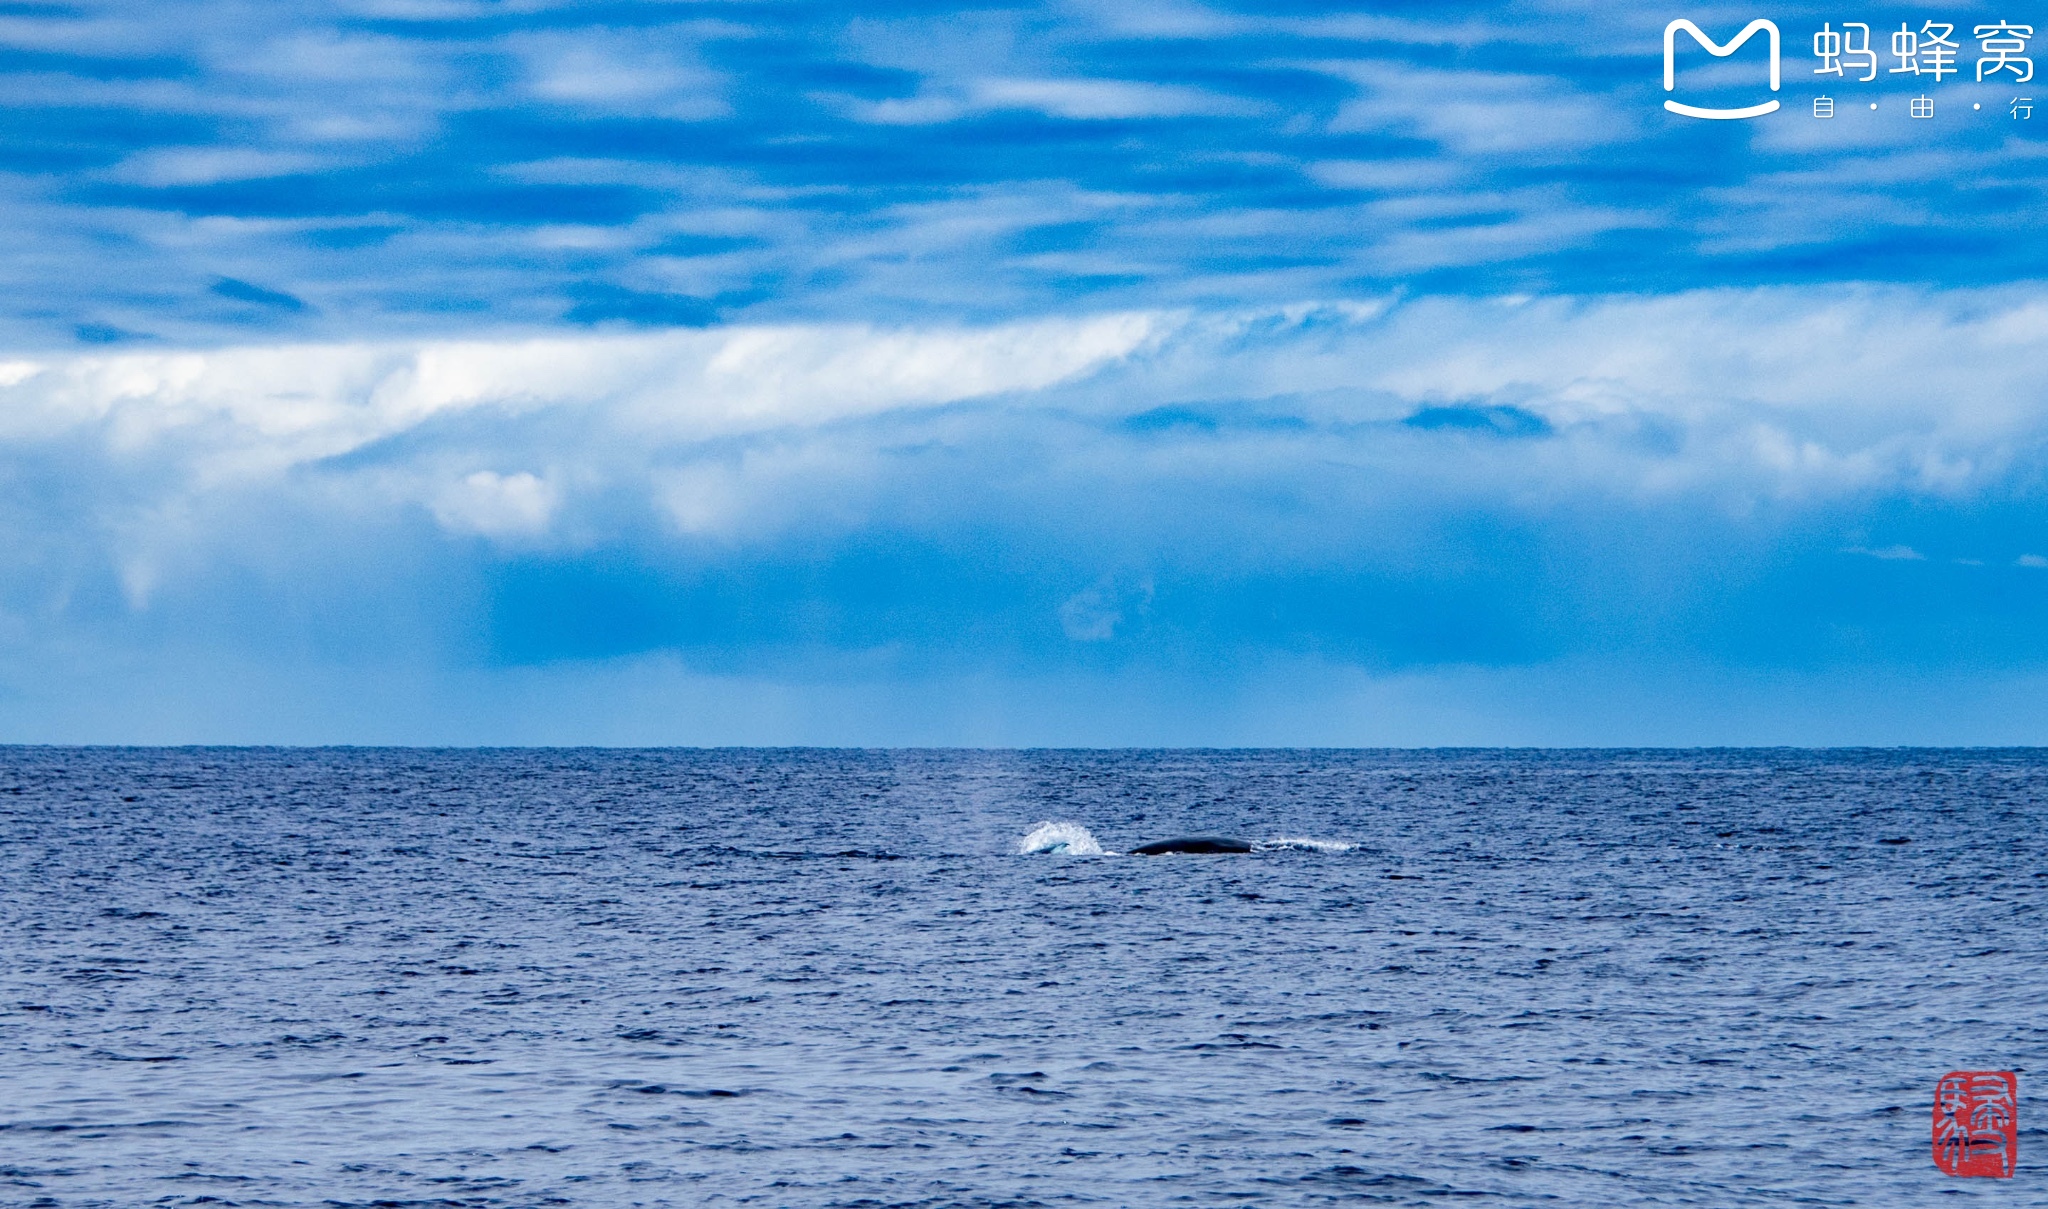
(1291, 843)
(1070, 839)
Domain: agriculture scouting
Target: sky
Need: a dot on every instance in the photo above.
(471, 372)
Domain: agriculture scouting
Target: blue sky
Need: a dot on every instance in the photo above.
(447, 371)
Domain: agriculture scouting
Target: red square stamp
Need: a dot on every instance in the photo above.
(1977, 1123)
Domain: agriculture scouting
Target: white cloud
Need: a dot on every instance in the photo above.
(924, 109)
(166, 166)
(1156, 18)
(789, 481)
(1813, 390)
(1084, 100)
(1477, 112)
(1477, 227)
(62, 31)
(238, 413)
(1398, 175)
(1363, 27)
(448, 10)
(652, 72)
(1098, 99)
(368, 64)
(1094, 613)
(768, 375)
(495, 505)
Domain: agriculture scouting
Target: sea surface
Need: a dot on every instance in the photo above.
(362, 977)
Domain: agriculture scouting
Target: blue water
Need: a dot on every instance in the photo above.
(454, 978)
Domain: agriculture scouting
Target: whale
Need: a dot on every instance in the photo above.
(1202, 844)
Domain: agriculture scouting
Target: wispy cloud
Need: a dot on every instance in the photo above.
(212, 165)
(416, 165)
(1478, 112)
(1075, 99)
(496, 505)
(652, 72)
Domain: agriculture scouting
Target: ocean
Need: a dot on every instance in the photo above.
(361, 977)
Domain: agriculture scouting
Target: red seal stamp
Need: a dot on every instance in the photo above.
(1977, 1123)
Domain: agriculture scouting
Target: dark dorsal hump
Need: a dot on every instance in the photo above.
(1193, 843)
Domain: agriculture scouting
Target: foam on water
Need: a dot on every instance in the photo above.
(1295, 843)
(1066, 839)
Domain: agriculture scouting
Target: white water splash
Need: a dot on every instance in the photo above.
(1068, 839)
(1289, 843)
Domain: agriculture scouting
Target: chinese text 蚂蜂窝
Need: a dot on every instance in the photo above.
(1930, 50)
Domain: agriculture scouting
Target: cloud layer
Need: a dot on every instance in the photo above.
(1814, 483)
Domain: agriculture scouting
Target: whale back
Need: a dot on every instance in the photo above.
(1193, 843)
